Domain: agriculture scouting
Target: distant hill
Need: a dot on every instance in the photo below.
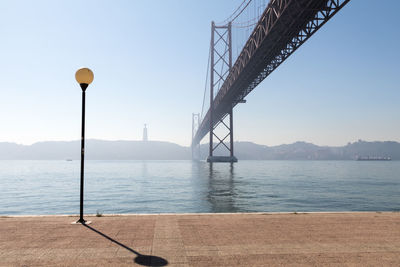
(96, 149)
(157, 150)
(308, 151)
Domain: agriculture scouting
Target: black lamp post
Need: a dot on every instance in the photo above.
(84, 77)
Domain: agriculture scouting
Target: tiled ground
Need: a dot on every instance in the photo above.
(320, 239)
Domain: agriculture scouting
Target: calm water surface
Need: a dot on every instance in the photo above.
(52, 187)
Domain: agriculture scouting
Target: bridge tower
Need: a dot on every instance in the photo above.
(220, 66)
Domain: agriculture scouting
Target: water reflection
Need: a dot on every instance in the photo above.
(144, 169)
(221, 187)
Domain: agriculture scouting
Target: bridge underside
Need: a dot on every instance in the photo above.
(283, 27)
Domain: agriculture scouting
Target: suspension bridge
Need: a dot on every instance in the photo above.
(244, 49)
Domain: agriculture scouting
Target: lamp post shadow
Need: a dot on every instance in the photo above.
(145, 260)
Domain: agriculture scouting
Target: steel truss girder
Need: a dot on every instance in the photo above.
(283, 27)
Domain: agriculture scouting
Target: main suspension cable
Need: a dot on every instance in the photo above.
(230, 19)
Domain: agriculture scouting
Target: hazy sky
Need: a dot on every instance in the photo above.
(150, 57)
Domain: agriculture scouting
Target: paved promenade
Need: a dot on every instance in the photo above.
(319, 239)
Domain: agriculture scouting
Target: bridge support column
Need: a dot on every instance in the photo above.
(220, 66)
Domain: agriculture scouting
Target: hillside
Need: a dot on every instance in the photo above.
(157, 150)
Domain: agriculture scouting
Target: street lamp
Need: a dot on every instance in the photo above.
(84, 77)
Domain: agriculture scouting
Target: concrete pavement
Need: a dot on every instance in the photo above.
(311, 239)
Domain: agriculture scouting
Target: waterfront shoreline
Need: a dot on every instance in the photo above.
(194, 213)
(196, 239)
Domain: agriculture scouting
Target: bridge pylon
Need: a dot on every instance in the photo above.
(220, 66)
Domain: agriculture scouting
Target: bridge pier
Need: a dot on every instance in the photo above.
(222, 159)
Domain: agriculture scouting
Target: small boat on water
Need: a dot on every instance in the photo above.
(369, 158)
(68, 159)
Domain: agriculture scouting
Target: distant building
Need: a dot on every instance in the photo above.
(145, 133)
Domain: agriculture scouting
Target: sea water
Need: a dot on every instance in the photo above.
(52, 187)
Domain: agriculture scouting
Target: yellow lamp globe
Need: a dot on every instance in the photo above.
(84, 76)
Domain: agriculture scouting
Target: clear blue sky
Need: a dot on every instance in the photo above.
(149, 59)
